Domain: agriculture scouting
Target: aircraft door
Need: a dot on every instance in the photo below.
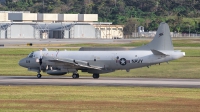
(115, 61)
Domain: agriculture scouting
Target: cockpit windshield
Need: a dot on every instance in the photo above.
(30, 55)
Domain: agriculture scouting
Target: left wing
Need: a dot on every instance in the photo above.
(70, 62)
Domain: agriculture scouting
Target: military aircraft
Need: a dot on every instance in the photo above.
(99, 61)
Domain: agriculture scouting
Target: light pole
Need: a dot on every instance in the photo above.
(43, 6)
(189, 30)
(175, 34)
(135, 30)
(196, 32)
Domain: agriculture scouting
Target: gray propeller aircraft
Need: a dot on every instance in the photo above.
(99, 61)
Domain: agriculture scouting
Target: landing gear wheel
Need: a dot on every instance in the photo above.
(75, 76)
(39, 76)
(95, 76)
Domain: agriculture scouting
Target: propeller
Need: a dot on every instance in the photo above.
(40, 60)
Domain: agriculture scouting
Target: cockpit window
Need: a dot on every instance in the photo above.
(30, 55)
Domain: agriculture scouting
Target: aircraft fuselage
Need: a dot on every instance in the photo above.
(109, 60)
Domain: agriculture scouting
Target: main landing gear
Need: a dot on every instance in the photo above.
(95, 76)
(39, 75)
(75, 75)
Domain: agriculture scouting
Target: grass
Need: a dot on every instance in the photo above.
(186, 43)
(62, 98)
(26, 51)
(191, 52)
(114, 99)
(187, 67)
(136, 43)
(133, 43)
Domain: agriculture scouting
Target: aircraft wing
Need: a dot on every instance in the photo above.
(71, 62)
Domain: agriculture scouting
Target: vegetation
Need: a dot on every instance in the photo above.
(135, 43)
(181, 15)
(117, 99)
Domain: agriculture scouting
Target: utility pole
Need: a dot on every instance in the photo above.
(115, 2)
(135, 30)
(189, 30)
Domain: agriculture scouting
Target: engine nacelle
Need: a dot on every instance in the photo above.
(55, 72)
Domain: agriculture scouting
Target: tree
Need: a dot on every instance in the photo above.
(148, 13)
(130, 26)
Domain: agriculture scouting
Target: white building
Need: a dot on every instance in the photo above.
(24, 24)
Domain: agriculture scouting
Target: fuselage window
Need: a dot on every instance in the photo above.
(30, 55)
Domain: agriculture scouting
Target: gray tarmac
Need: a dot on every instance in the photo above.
(102, 81)
(24, 41)
(11, 42)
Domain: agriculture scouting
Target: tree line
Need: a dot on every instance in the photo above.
(181, 15)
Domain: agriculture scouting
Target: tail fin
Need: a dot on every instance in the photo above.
(162, 40)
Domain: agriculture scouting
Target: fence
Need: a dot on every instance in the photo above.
(152, 34)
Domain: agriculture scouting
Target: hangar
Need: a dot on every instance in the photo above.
(24, 24)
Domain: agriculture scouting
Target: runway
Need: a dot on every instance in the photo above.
(102, 81)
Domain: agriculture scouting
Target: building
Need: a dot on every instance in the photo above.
(108, 31)
(23, 24)
(2, 1)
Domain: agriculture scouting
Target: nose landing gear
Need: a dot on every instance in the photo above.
(39, 75)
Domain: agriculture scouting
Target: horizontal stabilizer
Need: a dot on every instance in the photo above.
(156, 52)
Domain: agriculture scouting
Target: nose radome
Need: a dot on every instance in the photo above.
(21, 62)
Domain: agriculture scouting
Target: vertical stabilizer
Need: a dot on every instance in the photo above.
(161, 41)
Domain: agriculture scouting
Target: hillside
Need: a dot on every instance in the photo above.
(181, 15)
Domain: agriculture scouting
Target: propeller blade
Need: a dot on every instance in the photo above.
(41, 54)
(40, 60)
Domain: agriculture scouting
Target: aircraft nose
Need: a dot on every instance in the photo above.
(22, 62)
